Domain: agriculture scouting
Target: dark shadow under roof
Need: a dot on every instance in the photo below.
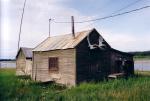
(120, 52)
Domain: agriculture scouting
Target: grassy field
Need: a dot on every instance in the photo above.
(141, 57)
(145, 58)
(13, 88)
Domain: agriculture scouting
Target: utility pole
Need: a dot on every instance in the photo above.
(72, 22)
(49, 26)
(21, 24)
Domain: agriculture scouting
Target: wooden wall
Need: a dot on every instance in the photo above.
(77, 65)
(28, 68)
(91, 64)
(23, 65)
(20, 64)
(117, 56)
(66, 62)
(97, 64)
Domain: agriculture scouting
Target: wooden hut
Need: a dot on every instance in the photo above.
(69, 59)
(24, 62)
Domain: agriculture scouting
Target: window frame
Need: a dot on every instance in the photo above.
(53, 64)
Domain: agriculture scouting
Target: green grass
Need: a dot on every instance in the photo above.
(141, 57)
(13, 88)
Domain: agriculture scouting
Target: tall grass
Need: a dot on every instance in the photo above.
(14, 88)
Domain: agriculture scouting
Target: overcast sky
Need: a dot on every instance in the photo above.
(130, 32)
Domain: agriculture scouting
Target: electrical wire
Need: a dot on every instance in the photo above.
(127, 6)
(106, 17)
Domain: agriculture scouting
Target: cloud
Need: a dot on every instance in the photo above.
(35, 23)
(127, 33)
(126, 41)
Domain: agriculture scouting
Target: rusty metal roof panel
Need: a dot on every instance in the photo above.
(61, 42)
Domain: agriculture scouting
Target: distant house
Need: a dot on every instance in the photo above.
(24, 61)
(69, 59)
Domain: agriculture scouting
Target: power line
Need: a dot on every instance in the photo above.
(117, 14)
(131, 4)
(107, 4)
(127, 6)
(21, 24)
(106, 17)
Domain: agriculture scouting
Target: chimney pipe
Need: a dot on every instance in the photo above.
(72, 20)
(49, 26)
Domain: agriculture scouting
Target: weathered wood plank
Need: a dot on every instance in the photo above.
(66, 63)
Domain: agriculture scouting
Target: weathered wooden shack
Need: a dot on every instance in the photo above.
(69, 59)
(24, 62)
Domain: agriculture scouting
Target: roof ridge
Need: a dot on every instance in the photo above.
(70, 33)
(26, 47)
(61, 41)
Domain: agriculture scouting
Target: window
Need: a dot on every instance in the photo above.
(53, 63)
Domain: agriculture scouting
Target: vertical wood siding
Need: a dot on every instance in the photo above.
(28, 67)
(23, 65)
(91, 64)
(20, 64)
(97, 64)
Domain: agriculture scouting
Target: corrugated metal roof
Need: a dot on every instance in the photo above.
(62, 42)
(27, 52)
